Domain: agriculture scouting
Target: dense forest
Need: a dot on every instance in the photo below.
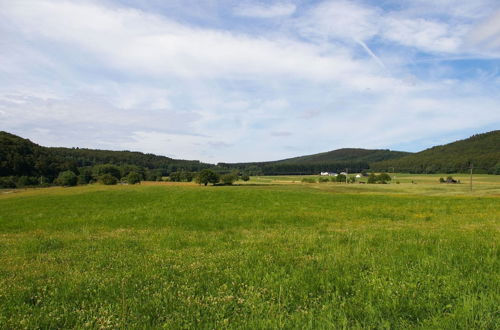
(279, 168)
(348, 159)
(481, 150)
(24, 163)
(346, 155)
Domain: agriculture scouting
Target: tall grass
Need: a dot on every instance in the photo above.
(292, 256)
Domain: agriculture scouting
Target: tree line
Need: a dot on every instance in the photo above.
(24, 163)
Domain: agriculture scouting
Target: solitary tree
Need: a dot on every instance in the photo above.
(207, 176)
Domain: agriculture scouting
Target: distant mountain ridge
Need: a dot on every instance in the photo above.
(482, 151)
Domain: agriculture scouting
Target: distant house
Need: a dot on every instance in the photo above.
(343, 173)
(359, 176)
(325, 174)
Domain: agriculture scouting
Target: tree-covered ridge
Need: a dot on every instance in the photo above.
(347, 159)
(24, 163)
(90, 157)
(347, 155)
(481, 150)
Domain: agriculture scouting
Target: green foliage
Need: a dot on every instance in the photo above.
(207, 176)
(67, 178)
(22, 158)
(323, 179)
(356, 160)
(182, 176)
(245, 177)
(481, 150)
(85, 176)
(340, 178)
(372, 178)
(100, 170)
(384, 178)
(381, 178)
(133, 178)
(228, 179)
(7, 182)
(108, 179)
(309, 180)
(351, 179)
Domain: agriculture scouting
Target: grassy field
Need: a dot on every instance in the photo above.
(268, 254)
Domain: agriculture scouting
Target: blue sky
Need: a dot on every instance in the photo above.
(249, 80)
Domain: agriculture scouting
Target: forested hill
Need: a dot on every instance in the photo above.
(22, 158)
(350, 159)
(481, 150)
(347, 154)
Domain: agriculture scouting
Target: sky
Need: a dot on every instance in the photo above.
(234, 81)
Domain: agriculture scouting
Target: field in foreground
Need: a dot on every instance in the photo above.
(270, 256)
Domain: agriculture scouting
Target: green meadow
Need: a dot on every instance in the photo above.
(271, 253)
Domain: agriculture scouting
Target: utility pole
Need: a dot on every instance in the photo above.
(471, 167)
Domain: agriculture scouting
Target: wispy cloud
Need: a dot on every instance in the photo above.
(263, 10)
(211, 86)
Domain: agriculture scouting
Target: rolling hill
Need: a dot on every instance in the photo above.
(347, 154)
(350, 159)
(480, 150)
(21, 157)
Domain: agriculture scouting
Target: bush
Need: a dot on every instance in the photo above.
(322, 179)
(381, 178)
(7, 182)
(67, 178)
(340, 178)
(228, 179)
(442, 180)
(384, 178)
(108, 179)
(309, 180)
(245, 177)
(133, 178)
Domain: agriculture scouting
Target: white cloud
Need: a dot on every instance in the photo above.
(486, 36)
(338, 74)
(265, 10)
(131, 41)
(423, 34)
(341, 19)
